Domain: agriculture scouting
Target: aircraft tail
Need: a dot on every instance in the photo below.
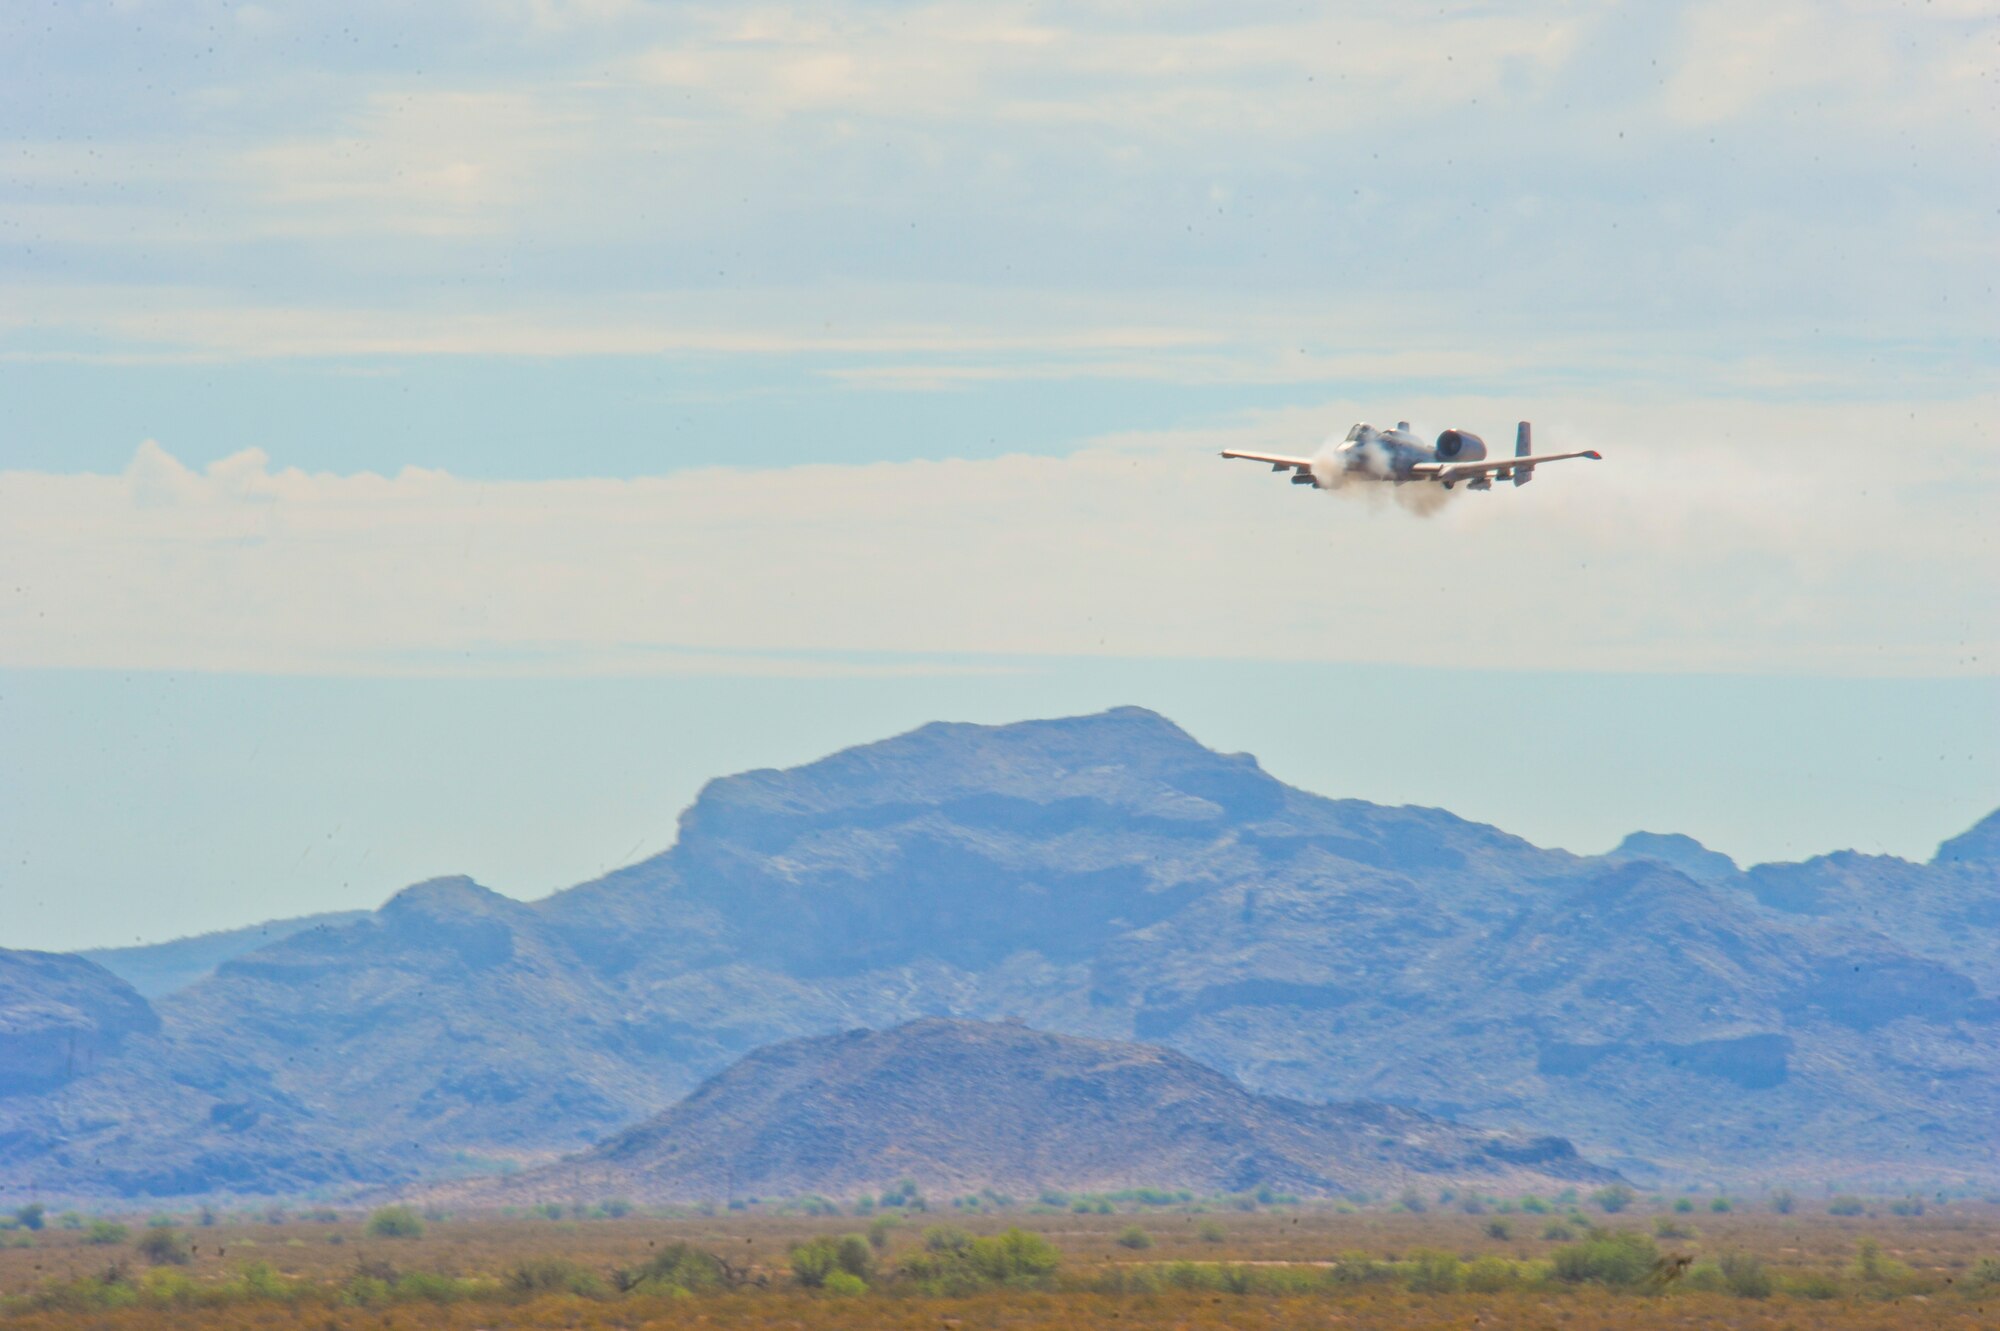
(1524, 445)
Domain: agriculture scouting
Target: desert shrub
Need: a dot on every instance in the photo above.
(165, 1247)
(554, 1275)
(1208, 1231)
(1666, 1227)
(1845, 1205)
(1813, 1285)
(1684, 1205)
(844, 1283)
(1499, 1229)
(1433, 1272)
(428, 1286)
(1912, 1205)
(1557, 1232)
(70, 1220)
(1721, 1205)
(1884, 1275)
(905, 1195)
(1359, 1268)
(879, 1231)
(395, 1222)
(1617, 1258)
(365, 1291)
(1412, 1201)
(261, 1280)
(274, 1215)
(676, 1267)
(1489, 1275)
(1745, 1276)
(813, 1261)
(1704, 1278)
(812, 1204)
(106, 1232)
(206, 1217)
(1534, 1205)
(1134, 1237)
(1784, 1202)
(1613, 1198)
(32, 1216)
(946, 1238)
(1014, 1257)
(1473, 1204)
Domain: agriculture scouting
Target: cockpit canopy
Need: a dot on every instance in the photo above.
(1360, 429)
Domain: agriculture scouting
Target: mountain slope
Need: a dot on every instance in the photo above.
(1101, 876)
(959, 1106)
(155, 969)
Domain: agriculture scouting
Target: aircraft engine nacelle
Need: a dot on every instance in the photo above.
(1460, 446)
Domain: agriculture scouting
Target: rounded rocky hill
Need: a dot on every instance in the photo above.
(959, 1106)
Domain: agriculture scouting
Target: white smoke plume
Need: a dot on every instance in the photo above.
(1371, 483)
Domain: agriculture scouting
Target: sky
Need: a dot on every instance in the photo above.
(437, 438)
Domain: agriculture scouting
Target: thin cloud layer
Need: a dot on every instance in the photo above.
(1765, 540)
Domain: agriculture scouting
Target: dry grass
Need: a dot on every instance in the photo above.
(319, 1261)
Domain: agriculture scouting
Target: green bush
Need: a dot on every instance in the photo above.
(1885, 1274)
(32, 1216)
(106, 1232)
(1489, 1275)
(1557, 1232)
(165, 1247)
(1666, 1227)
(816, 1259)
(553, 1275)
(395, 1222)
(845, 1284)
(1784, 1202)
(1015, 1257)
(1745, 1276)
(1134, 1237)
(1813, 1285)
(1684, 1205)
(1534, 1205)
(1433, 1272)
(1208, 1231)
(879, 1231)
(1845, 1205)
(1721, 1206)
(1412, 1201)
(1911, 1205)
(676, 1268)
(1499, 1229)
(1613, 1198)
(1619, 1258)
(946, 1238)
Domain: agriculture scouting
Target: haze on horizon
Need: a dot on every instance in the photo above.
(438, 440)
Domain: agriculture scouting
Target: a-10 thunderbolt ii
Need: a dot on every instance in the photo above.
(1398, 456)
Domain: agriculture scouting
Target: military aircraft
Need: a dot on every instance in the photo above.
(1399, 456)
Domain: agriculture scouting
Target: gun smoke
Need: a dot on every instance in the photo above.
(1373, 483)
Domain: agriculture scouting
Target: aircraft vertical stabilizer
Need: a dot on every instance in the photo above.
(1524, 444)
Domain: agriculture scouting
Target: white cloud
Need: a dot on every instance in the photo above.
(1760, 539)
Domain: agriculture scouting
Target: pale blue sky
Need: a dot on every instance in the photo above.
(441, 318)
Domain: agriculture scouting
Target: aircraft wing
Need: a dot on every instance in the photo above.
(1466, 471)
(1278, 461)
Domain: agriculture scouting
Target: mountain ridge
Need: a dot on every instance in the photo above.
(1103, 877)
